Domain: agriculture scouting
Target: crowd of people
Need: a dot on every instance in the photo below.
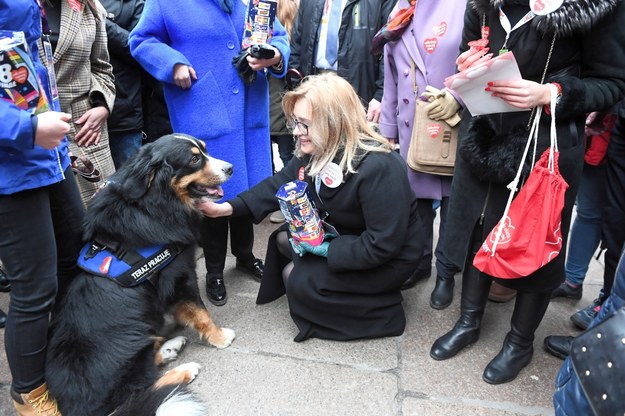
(337, 90)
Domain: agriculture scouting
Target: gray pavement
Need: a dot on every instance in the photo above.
(265, 373)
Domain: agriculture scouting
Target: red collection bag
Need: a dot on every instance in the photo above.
(528, 236)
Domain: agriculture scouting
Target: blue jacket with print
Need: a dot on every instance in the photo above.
(23, 165)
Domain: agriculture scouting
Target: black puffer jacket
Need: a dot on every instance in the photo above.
(122, 16)
(361, 21)
(588, 61)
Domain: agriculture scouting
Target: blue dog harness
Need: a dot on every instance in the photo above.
(127, 268)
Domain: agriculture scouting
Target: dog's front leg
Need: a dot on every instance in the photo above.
(197, 317)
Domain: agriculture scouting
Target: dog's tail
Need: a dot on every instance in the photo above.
(168, 400)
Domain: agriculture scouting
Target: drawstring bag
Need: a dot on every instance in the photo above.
(528, 236)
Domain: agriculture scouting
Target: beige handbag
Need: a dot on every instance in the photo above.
(433, 143)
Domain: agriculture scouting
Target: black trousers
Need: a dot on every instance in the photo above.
(214, 241)
(613, 225)
(40, 238)
(444, 268)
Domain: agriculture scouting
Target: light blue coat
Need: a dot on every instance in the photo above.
(231, 118)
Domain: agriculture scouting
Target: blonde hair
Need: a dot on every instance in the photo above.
(286, 13)
(339, 124)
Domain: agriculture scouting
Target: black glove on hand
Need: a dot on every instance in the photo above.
(247, 74)
(262, 51)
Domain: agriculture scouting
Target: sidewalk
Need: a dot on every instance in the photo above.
(265, 373)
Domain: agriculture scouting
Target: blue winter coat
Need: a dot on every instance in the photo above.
(22, 164)
(231, 118)
(569, 398)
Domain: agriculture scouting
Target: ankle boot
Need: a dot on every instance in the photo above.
(443, 293)
(36, 403)
(466, 331)
(518, 347)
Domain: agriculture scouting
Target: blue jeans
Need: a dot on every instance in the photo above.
(585, 234)
(124, 145)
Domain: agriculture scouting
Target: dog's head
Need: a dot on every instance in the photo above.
(178, 163)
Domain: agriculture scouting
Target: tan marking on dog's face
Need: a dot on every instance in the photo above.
(204, 177)
(192, 315)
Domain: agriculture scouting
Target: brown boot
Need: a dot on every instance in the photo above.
(36, 403)
(501, 294)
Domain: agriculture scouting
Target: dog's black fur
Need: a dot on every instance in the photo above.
(101, 351)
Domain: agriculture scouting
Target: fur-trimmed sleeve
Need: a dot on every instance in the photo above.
(602, 81)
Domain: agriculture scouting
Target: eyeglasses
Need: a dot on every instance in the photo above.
(294, 123)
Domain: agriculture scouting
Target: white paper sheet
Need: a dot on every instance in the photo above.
(470, 85)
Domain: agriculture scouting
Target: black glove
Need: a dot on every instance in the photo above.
(247, 74)
(262, 51)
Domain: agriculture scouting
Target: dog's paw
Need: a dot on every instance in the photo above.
(190, 371)
(225, 338)
(170, 349)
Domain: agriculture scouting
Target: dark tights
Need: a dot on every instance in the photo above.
(284, 247)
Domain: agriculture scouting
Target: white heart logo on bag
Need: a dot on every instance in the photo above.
(440, 29)
(434, 130)
(506, 231)
(430, 44)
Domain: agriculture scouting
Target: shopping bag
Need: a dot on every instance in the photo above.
(528, 236)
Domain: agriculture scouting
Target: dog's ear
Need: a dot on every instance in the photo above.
(138, 173)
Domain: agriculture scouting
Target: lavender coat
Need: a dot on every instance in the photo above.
(437, 20)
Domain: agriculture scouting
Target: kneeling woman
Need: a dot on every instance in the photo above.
(349, 286)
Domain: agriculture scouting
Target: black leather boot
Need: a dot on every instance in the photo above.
(3, 319)
(466, 331)
(518, 347)
(559, 345)
(443, 293)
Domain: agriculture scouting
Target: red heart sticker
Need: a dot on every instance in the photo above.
(430, 44)
(328, 181)
(20, 75)
(434, 130)
(440, 29)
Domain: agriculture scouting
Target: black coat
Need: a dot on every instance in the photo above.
(360, 22)
(588, 61)
(122, 17)
(355, 292)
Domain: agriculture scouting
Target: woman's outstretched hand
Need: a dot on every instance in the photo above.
(214, 210)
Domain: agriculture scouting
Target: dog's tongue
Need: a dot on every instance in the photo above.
(215, 192)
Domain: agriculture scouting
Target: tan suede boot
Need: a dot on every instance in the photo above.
(36, 403)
